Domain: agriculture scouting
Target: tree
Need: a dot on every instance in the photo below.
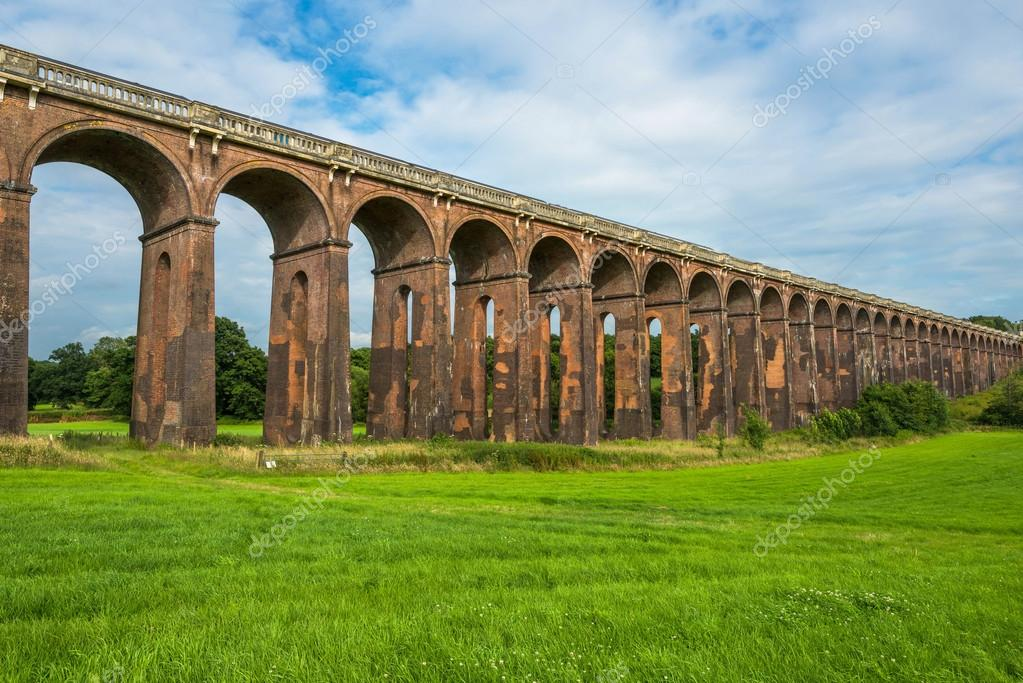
(241, 373)
(359, 387)
(995, 322)
(62, 381)
(37, 376)
(109, 383)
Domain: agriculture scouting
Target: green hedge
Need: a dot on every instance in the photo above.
(885, 410)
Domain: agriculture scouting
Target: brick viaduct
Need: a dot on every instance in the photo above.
(785, 344)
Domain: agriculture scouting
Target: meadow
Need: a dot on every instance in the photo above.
(128, 565)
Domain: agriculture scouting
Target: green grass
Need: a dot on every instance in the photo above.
(248, 429)
(140, 568)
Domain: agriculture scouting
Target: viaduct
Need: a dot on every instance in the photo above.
(785, 344)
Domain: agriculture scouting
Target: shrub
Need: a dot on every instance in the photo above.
(836, 426)
(884, 409)
(877, 419)
(755, 429)
(928, 408)
(1006, 407)
(719, 438)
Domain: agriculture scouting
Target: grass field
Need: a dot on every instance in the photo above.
(143, 567)
(120, 427)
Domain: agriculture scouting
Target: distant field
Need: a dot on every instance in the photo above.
(253, 429)
(145, 568)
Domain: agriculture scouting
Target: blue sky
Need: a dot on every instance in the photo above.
(899, 173)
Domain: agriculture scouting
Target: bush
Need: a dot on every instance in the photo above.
(836, 426)
(878, 419)
(755, 429)
(1006, 407)
(884, 409)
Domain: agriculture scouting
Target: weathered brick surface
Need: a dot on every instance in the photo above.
(769, 339)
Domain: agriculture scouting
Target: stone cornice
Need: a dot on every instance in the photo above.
(62, 80)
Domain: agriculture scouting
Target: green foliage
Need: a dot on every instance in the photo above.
(109, 383)
(832, 427)
(360, 393)
(655, 356)
(360, 383)
(755, 430)
(61, 380)
(995, 322)
(555, 397)
(1006, 406)
(719, 438)
(609, 377)
(37, 372)
(915, 406)
(241, 373)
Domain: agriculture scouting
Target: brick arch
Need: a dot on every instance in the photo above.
(156, 181)
(553, 261)
(803, 371)
(880, 324)
(740, 299)
(822, 314)
(772, 306)
(863, 321)
(481, 248)
(743, 347)
(704, 292)
(845, 356)
(799, 308)
(612, 273)
(843, 316)
(398, 231)
(662, 283)
(294, 210)
(775, 354)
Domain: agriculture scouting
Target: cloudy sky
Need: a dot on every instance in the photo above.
(875, 144)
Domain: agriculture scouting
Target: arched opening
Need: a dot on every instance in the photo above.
(552, 364)
(959, 367)
(845, 357)
(976, 368)
(937, 356)
(484, 325)
(865, 349)
(670, 352)
(897, 350)
(655, 368)
(947, 363)
(744, 365)
(824, 335)
(294, 289)
(555, 283)
(620, 321)
(90, 227)
(607, 395)
(882, 351)
(773, 333)
(408, 392)
(804, 362)
(991, 368)
(912, 351)
(706, 311)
